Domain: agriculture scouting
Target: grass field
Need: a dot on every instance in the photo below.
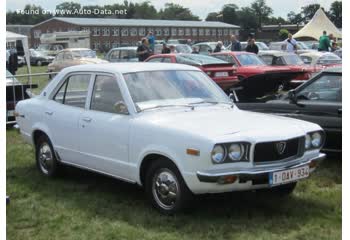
(83, 205)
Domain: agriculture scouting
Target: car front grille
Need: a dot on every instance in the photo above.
(279, 150)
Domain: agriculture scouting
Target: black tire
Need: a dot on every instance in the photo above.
(48, 166)
(284, 190)
(183, 196)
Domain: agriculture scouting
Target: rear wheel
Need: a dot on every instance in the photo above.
(45, 157)
(165, 187)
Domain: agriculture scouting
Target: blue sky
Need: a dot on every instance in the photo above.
(198, 7)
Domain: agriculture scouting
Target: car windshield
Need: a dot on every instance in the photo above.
(198, 59)
(34, 53)
(329, 58)
(83, 54)
(293, 59)
(262, 46)
(44, 47)
(183, 48)
(249, 60)
(171, 88)
(302, 46)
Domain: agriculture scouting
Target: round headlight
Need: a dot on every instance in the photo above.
(316, 139)
(307, 141)
(236, 151)
(218, 154)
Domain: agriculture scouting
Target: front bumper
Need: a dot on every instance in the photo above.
(255, 173)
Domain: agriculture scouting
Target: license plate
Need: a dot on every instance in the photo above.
(221, 74)
(290, 175)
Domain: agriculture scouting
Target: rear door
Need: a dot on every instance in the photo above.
(62, 114)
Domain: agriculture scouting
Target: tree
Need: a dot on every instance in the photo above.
(229, 13)
(283, 34)
(309, 11)
(295, 18)
(174, 11)
(261, 10)
(247, 18)
(145, 10)
(275, 20)
(64, 9)
(335, 13)
(213, 16)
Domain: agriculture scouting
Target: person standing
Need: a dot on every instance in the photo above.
(235, 44)
(291, 43)
(252, 47)
(165, 49)
(151, 40)
(143, 52)
(218, 47)
(324, 43)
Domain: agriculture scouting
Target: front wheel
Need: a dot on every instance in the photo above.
(45, 157)
(165, 188)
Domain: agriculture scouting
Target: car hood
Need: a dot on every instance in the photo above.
(220, 122)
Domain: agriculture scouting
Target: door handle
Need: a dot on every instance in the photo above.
(87, 119)
(49, 113)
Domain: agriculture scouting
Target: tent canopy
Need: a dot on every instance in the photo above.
(12, 37)
(315, 27)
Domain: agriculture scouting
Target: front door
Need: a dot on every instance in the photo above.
(104, 129)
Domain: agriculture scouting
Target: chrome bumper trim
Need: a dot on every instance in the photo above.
(214, 177)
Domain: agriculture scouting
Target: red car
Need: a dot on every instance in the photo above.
(255, 75)
(293, 61)
(223, 73)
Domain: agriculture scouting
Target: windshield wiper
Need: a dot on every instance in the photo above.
(169, 105)
(212, 102)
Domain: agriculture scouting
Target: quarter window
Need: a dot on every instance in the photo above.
(74, 91)
(106, 94)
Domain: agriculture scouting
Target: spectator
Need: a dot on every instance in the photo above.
(195, 50)
(324, 43)
(165, 49)
(218, 47)
(291, 43)
(252, 47)
(151, 40)
(235, 44)
(334, 46)
(143, 52)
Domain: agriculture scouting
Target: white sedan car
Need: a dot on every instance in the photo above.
(167, 127)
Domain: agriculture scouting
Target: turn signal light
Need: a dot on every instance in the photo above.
(227, 179)
(192, 151)
(312, 164)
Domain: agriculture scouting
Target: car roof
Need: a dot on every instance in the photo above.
(316, 53)
(127, 67)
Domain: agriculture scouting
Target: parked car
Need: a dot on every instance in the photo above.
(38, 58)
(223, 73)
(207, 48)
(177, 133)
(293, 61)
(15, 92)
(311, 44)
(281, 46)
(319, 100)
(255, 74)
(325, 59)
(73, 56)
(122, 54)
(179, 48)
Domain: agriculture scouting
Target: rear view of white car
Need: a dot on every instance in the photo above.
(166, 127)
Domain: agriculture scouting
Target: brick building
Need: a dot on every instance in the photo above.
(111, 32)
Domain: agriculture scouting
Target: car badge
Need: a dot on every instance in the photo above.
(281, 147)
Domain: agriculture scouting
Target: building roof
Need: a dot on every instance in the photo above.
(139, 22)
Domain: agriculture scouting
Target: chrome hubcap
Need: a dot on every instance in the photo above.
(165, 189)
(45, 158)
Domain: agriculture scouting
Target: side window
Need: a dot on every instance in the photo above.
(124, 54)
(59, 57)
(114, 54)
(267, 59)
(326, 88)
(106, 95)
(205, 49)
(74, 91)
(67, 56)
(157, 59)
(277, 61)
(306, 59)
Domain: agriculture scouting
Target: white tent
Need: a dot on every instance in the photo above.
(315, 27)
(13, 37)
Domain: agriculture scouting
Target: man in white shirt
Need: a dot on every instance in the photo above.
(291, 43)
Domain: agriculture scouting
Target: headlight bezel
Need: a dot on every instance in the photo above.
(311, 136)
(244, 158)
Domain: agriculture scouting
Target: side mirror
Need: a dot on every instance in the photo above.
(121, 108)
(292, 96)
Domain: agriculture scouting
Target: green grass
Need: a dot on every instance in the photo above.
(83, 205)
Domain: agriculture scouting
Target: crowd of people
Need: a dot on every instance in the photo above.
(326, 43)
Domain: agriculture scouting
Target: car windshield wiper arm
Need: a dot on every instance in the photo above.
(169, 105)
(212, 102)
